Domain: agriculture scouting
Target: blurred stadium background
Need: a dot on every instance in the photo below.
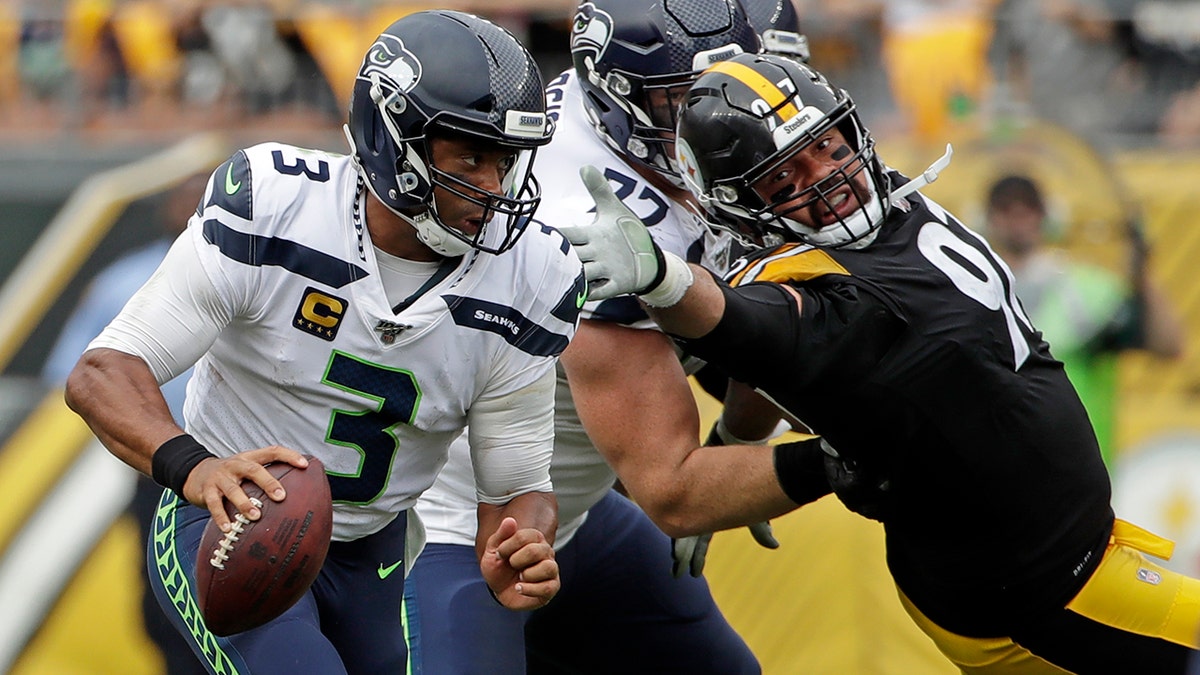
(104, 104)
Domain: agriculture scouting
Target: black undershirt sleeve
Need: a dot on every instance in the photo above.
(758, 317)
(800, 470)
(763, 337)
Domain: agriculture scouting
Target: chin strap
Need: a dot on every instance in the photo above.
(927, 176)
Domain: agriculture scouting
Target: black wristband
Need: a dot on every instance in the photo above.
(800, 470)
(174, 460)
(662, 269)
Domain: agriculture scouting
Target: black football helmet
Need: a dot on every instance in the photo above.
(448, 73)
(778, 26)
(635, 60)
(747, 116)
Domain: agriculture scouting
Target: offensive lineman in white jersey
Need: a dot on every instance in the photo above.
(362, 309)
(620, 609)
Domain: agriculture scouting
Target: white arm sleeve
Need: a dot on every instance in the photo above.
(512, 438)
(173, 319)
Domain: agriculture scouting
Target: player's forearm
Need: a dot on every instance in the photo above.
(718, 488)
(608, 367)
(118, 397)
(698, 312)
(747, 414)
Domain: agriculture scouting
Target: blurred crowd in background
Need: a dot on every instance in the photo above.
(1119, 72)
(89, 85)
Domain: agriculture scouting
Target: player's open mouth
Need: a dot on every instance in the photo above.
(839, 206)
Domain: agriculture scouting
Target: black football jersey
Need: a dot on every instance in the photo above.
(913, 355)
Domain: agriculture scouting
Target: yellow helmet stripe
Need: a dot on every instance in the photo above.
(765, 89)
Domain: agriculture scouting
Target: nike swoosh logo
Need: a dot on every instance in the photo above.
(580, 298)
(230, 186)
(385, 572)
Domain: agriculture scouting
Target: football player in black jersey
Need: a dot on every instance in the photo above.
(874, 317)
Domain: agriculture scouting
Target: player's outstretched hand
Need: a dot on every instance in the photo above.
(518, 565)
(215, 480)
(618, 254)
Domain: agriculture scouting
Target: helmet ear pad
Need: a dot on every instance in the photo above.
(396, 172)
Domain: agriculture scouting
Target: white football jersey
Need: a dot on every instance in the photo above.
(580, 474)
(310, 354)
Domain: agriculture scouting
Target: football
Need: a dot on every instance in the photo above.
(261, 568)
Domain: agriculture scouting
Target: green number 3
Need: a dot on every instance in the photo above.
(371, 433)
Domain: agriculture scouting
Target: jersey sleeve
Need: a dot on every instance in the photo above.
(173, 319)
(511, 423)
(199, 287)
(512, 438)
(838, 330)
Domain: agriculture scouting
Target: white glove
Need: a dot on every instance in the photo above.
(618, 254)
(763, 534)
(688, 554)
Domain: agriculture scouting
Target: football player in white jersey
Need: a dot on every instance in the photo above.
(361, 309)
(620, 608)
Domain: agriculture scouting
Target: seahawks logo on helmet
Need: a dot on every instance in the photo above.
(591, 33)
(393, 62)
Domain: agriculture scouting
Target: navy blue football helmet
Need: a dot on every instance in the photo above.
(778, 25)
(450, 74)
(636, 59)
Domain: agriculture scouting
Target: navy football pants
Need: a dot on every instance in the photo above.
(348, 622)
(619, 610)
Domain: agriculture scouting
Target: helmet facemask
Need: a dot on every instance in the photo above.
(852, 179)
(506, 212)
(749, 119)
(653, 104)
(488, 94)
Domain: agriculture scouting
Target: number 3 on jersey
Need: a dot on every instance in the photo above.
(978, 276)
(368, 432)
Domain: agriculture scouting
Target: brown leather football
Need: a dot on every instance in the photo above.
(262, 567)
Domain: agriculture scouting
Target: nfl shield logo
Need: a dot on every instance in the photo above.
(1149, 576)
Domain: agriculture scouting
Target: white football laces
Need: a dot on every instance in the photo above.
(221, 552)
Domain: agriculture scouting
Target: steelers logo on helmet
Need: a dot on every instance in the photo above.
(689, 168)
(395, 65)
